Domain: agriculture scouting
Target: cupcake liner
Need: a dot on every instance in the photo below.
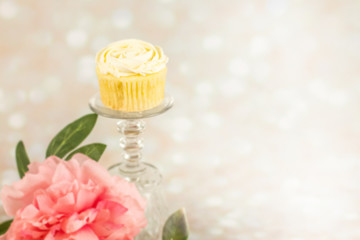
(132, 93)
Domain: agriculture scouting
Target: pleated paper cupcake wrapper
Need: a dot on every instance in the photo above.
(136, 94)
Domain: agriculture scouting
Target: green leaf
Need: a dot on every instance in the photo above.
(176, 226)
(4, 226)
(22, 159)
(93, 151)
(71, 136)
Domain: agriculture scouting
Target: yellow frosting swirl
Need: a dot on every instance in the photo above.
(130, 57)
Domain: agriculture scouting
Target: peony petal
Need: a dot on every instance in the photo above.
(44, 222)
(116, 211)
(120, 235)
(77, 221)
(44, 203)
(103, 214)
(85, 233)
(80, 158)
(62, 173)
(105, 229)
(105, 222)
(12, 200)
(122, 189)
(29, 212)
(21, 193)
(72, 224)
(60, 189)
(51, 234)
(90, 170)
(49, 163)
(88, 215)
(86, 198)
(65, 204)
(20, 229)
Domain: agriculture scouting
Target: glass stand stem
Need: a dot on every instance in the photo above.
(131, 142)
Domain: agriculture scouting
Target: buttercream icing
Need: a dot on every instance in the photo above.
(131, 57)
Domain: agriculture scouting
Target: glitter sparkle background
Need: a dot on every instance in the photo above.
(263, 142)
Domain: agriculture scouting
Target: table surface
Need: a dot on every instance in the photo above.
(263, 139)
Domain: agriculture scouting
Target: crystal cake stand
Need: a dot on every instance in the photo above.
(145, 175)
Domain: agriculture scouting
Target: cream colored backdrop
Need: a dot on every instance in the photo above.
(264, 139)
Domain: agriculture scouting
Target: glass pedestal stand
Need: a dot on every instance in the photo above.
(146, 176)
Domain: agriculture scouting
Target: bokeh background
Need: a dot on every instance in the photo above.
(264, 139)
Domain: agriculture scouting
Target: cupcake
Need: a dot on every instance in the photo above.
(131, 75)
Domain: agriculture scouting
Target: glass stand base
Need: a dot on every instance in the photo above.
(145, 176)
(148, 181)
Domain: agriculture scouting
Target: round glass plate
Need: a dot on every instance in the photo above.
(98, 107)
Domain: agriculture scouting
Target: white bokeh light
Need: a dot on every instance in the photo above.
(122, 18)
(238, 67)
(37, 95)
(86, 69)
(212, 42)
(17, 120)
(76, 38)
(8, 9)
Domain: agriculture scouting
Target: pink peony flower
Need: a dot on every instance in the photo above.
(72, 200)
